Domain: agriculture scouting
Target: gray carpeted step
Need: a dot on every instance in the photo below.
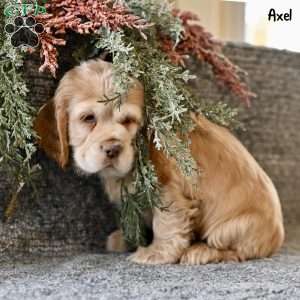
(112, 277)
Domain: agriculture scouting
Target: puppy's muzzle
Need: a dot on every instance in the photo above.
(111, 150)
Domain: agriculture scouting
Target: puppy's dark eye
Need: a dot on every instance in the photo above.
(127, 121)
(90, 119)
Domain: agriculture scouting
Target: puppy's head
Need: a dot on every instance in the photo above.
(82, 116)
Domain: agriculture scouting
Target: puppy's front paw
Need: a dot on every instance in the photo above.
(115, 242)
(152, 256)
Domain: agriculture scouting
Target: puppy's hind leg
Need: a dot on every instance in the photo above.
(248, 236)
(201, 253)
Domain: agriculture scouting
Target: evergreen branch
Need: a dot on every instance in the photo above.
(16, 129)
(112, 99)
(136, 54)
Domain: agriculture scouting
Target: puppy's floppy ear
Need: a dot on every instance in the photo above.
(51, 126)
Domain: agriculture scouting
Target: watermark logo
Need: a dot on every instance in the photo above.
(24, 32)
(24, 8)
(275, 17)
(23, 29)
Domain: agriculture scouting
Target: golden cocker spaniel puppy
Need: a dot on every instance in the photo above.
(234, 214)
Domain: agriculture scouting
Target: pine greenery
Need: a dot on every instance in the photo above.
(166, 106)
(168, 102)
(16, 133)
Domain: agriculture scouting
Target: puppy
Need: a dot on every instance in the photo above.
(232, 213)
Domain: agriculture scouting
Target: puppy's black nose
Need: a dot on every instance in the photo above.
(113, 151)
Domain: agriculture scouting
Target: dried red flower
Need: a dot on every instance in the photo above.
(88, 16)
(81, 16)
(199, 43)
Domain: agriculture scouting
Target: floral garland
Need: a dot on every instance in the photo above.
(148, 40)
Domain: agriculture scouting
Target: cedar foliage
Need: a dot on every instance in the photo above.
(16, 132)
(147, 40)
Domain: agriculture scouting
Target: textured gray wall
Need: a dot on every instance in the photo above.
(70, 213)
